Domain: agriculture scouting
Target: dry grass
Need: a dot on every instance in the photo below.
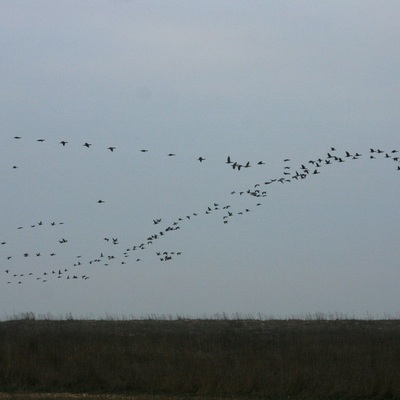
(346, 359)
(87, 396)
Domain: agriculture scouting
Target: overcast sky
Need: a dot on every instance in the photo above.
(259, 81)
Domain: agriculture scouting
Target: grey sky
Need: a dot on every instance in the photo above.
(255, 80)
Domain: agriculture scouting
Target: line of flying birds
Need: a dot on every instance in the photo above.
(108, 258)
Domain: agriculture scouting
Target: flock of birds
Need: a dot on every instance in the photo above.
(161, 228)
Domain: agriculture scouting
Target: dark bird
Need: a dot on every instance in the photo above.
(201, 159)
(40, 140)
(87, 144)
(171, 154)
(228, 160)
(101, 201)
(63, 142)
(17, 137)
(111, 148)
(143, 150)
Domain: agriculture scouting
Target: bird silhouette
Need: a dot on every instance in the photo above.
(289, 174)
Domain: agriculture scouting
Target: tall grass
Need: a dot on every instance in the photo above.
(307, 358)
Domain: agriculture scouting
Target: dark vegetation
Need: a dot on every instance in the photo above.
(207, 358)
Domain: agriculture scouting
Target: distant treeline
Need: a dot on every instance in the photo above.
(310, 359)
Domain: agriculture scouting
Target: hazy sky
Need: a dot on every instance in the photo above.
(254, 80)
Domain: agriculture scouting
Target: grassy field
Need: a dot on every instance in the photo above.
(205, 359)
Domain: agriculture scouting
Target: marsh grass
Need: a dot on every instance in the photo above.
(205, 358)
